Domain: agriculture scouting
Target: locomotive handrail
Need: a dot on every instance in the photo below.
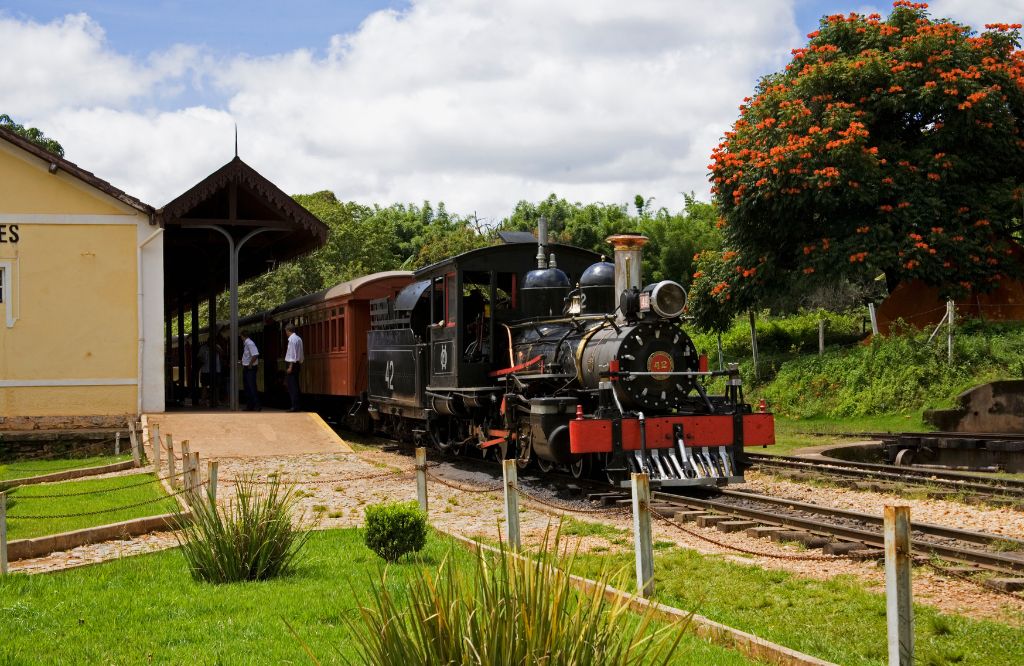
(645, 373)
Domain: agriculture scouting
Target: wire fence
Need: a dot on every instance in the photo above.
(12, 492)
(867, 553)
(98, 512)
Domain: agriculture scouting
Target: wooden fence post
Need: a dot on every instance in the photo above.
(117, 443)
(509, 472)
(821, 337)
(186, 464)
(155, 441)
(753, 343)
(642, 535)
(3, 533)
(421, 477)
(951, 315)
(874, 318)
(197, 476)
(211, 488)
(133, 438)
(899, 608)
(170, 463)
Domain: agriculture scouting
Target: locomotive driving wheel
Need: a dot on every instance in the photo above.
(578, 468)
(545, 465)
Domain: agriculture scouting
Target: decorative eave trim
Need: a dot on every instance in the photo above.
(241, 173)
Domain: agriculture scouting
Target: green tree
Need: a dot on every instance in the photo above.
(675, 237)
(33, 134)
(890, 146)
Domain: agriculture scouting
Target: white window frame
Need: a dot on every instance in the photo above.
(8, 270)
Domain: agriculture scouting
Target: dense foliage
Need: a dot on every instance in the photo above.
(890, 146)
(506, 609)
(675, 237)
(33, 134)
(395, 529)
(367, 239)
(252, 538)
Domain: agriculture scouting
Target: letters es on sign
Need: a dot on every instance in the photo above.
(9, 233)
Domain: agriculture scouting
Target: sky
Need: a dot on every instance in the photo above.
(477, 103)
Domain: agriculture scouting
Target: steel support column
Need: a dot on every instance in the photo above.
(234, 251)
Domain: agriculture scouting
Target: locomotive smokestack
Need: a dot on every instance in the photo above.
(542, 242)
(628, 255)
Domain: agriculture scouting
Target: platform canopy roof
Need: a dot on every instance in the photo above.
(234, 200)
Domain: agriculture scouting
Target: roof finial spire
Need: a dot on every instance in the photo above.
(236, 139)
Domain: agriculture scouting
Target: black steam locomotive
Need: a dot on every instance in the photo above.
(572, 364)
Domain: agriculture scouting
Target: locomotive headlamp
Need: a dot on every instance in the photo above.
(668, 299)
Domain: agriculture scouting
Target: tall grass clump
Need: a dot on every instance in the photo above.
(252, 538)
(505, 609)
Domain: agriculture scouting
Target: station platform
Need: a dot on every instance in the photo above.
(248, 434)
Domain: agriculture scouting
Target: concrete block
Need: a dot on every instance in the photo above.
(763, 531)
(1006, 584)
(842, 547)
(710, 521)
(735, 525)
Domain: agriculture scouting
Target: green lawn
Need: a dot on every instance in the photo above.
(835, 620)
(148, 609)
(20, 503)
(27, 468)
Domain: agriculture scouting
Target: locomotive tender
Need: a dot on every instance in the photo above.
(574, 363)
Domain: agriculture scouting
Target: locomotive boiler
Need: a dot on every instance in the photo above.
(558, 358)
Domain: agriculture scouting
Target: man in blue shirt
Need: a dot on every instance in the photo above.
(294, 357)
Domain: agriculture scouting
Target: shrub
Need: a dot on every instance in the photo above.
(505, 609)
(252, 538)
(394, 529)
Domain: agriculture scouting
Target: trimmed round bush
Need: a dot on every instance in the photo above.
(394, 529)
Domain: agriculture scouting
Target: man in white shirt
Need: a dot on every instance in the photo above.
(294, 357)
(250, 361)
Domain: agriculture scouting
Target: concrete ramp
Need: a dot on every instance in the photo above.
(249, 434)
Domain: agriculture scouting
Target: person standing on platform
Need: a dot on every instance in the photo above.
(294, 358)
(250, 362)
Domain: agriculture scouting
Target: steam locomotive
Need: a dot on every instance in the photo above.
(574, 364)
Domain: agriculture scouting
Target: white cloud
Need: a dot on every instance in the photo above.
(67, 64)
(476, 102)
(976, 13)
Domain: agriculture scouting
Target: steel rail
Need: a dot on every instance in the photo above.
(873, 538)
(993, 485)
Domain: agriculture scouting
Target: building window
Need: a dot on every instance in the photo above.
(7, 293)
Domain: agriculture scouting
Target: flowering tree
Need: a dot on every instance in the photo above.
(892, 146)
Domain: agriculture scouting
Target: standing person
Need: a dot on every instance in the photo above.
(294, 358)
(250, 362)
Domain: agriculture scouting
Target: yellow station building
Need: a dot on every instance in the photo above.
(81, 267)
(92, 279)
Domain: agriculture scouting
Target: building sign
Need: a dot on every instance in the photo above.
(9, 233)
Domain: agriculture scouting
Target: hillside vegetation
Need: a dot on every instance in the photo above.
(857, 376)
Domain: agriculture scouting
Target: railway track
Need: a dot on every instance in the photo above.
(1007, 489)
(839, 531)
